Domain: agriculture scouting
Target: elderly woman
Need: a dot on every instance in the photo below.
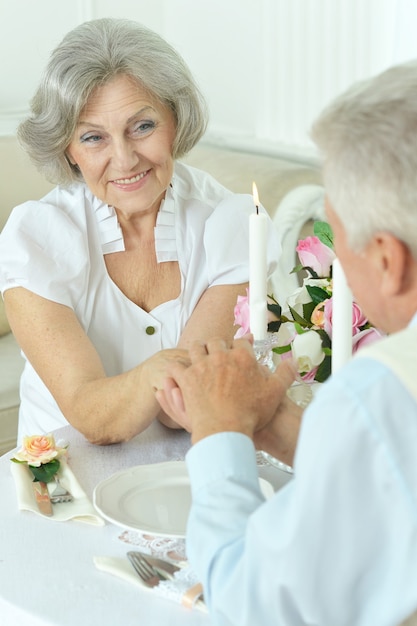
(108, 278)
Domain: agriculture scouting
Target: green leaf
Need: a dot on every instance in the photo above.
(299, 319)
(17, 461)
(317, 294)
(297, 269)
(324, 370)
(273, 327)
(299, 329)
(310, 270)
(275, 309)
(325, 339)
(323, 231)
(46, 472)
(308, 309)
(282, 349)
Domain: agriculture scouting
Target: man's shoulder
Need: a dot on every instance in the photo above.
(398, 353)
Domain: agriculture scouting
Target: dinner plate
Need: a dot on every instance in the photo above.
(152, 499)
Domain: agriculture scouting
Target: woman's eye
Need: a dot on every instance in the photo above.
(90, 138)
(144, 127)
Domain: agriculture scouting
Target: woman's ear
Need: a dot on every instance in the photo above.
(394, 262)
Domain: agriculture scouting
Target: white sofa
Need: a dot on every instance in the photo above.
(19, 181)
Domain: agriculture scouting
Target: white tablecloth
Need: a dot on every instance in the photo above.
(47, 574)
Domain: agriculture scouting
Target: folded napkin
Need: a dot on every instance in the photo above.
(80, 509)
(183, 588)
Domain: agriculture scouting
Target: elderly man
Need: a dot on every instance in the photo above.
(338, 544)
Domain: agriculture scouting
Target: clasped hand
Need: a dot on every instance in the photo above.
(227, 390)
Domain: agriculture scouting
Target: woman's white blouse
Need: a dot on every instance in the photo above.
(54, 247)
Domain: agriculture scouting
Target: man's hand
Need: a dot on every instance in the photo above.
(224, 390)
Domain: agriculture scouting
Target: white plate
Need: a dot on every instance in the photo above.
(153, 499)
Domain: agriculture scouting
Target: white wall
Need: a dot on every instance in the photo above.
(266, 67)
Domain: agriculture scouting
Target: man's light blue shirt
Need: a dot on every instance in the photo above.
(337, 545)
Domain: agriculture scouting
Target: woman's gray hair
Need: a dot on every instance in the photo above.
(368, 142)
(88, 57)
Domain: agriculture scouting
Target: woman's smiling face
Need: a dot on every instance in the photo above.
(123, 146)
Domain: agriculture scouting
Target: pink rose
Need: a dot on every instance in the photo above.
(39, 449)
(358, 318)
(365, 337)
(313, 253)
(241, 312)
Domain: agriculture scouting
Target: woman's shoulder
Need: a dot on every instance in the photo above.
(56, 205)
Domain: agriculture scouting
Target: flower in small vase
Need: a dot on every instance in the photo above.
(42, 455)
(303, 324)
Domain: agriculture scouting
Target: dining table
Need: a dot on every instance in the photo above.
(47, 571)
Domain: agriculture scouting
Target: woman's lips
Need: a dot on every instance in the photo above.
(130, 183)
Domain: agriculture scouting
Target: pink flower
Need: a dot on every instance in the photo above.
(38, 450)
(365, 337)
(242, 315)
(241, 312)
(313, 253)
(358, 318)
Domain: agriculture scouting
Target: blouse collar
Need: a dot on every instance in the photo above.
(111, 234)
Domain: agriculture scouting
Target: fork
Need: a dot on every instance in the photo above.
(152, 576)
(149, 575)
(60, 494)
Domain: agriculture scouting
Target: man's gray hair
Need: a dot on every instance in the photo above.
(368, 142)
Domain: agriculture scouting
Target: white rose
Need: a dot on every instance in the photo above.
(307, 351)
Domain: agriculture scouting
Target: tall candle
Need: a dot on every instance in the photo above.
(341, 318)
(257, 271)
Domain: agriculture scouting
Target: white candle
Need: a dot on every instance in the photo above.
(341, 319)
(257, 271)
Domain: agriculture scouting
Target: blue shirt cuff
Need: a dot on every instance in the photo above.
(220, 456)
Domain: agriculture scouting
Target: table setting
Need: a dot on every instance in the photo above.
(56, 568)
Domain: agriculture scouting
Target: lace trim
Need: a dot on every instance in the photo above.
(111, 235)
(162, 547)
(165, 235)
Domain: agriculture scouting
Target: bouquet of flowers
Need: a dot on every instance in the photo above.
(42, 455)
(303, 325)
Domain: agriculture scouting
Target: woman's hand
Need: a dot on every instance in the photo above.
(224, 390)
(156, 370)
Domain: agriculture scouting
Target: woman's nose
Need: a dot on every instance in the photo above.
(124, 155)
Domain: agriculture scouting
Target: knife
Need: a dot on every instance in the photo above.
(42, 498)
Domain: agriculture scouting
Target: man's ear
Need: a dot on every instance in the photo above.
(393, 261)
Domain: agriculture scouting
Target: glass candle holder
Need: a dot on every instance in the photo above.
(299, 392)
(263, 351)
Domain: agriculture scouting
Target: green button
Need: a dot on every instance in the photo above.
(150, 330)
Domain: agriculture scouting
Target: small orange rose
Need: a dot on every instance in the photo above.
(317, 316)
(38, 450)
